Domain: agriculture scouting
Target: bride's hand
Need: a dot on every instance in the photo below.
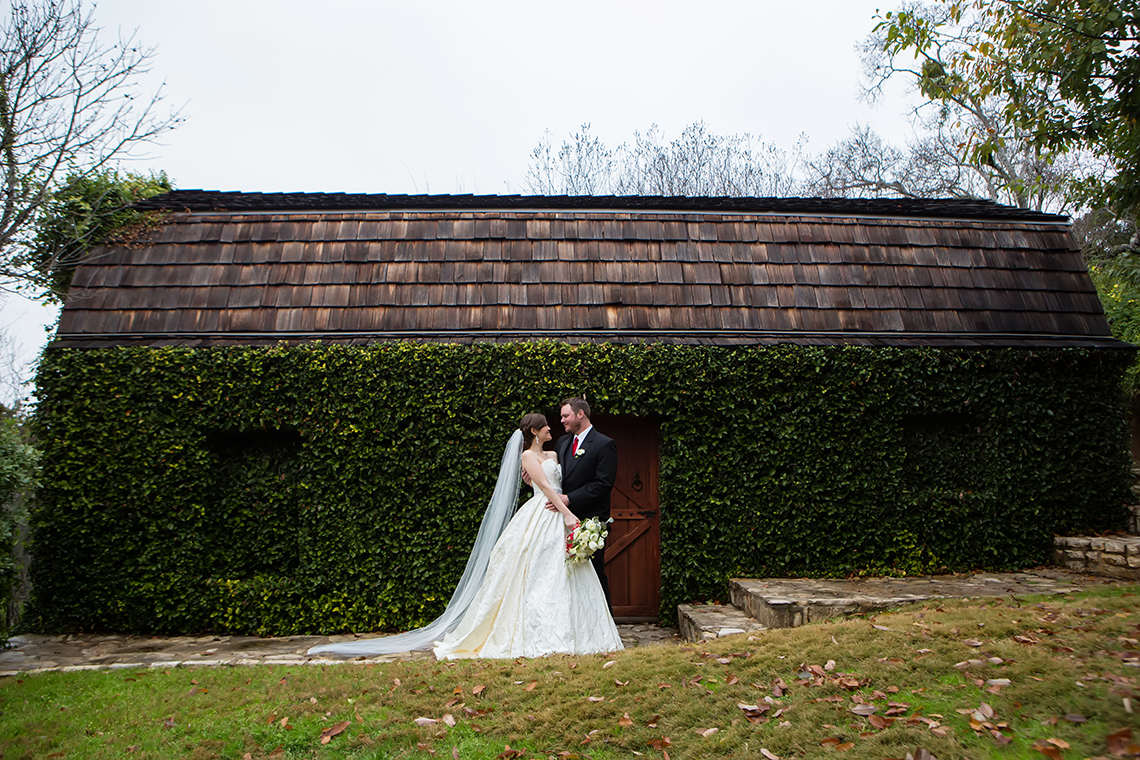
(570, 521)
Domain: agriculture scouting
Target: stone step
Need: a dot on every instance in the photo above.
(1111, 557)
(763, 603)
(710, 621)
(792, 602)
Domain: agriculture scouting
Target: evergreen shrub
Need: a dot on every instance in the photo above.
(328, 488)
(18, 468)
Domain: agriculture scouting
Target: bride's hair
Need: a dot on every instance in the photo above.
(530, 423)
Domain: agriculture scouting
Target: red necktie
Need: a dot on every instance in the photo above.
(574, 450)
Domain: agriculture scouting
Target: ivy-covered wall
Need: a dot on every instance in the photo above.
(324, 489)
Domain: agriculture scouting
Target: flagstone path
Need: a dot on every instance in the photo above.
(46, 653)
(799, 600)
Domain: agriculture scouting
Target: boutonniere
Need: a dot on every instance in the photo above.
(579, 452)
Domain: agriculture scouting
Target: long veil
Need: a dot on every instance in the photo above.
(495, 519)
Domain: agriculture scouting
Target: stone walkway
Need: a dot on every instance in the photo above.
(34, 653)
(772, 601)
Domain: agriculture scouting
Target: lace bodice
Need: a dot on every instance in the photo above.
(553, 473)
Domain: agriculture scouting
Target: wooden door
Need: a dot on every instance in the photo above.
(633, 548)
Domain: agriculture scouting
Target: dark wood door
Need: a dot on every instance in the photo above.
(633, 548)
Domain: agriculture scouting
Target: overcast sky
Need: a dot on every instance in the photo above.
(446, 97)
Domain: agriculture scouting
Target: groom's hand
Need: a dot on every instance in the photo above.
(526, 477)
(565, 502)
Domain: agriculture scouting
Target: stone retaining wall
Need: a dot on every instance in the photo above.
(1111, 557)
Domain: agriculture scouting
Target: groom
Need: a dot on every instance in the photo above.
(589, 467)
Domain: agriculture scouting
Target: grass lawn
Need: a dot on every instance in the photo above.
(1051, 677)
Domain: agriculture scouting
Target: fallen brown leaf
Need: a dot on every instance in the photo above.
(1047, 749)
(625, 720)
(530, 686)
(754, 713)
(1120, 743)
(333, 730)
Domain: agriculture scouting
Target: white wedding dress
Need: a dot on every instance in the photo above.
(531, 603)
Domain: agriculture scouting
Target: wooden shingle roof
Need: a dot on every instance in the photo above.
(248, 268)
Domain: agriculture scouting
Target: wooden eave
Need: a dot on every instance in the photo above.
(629, 275)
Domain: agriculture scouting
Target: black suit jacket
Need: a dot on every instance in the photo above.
(588, 478)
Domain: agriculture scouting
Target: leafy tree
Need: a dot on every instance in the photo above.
(88, 210)
(70, 108)
(1054, 75)
(1111, 246)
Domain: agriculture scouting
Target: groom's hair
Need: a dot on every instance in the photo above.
(576, 405)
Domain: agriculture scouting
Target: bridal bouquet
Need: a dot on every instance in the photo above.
(586, 538)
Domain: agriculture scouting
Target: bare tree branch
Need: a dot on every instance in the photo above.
(697, 163)
(70, 106)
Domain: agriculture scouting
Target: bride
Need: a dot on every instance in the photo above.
(518, 597)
